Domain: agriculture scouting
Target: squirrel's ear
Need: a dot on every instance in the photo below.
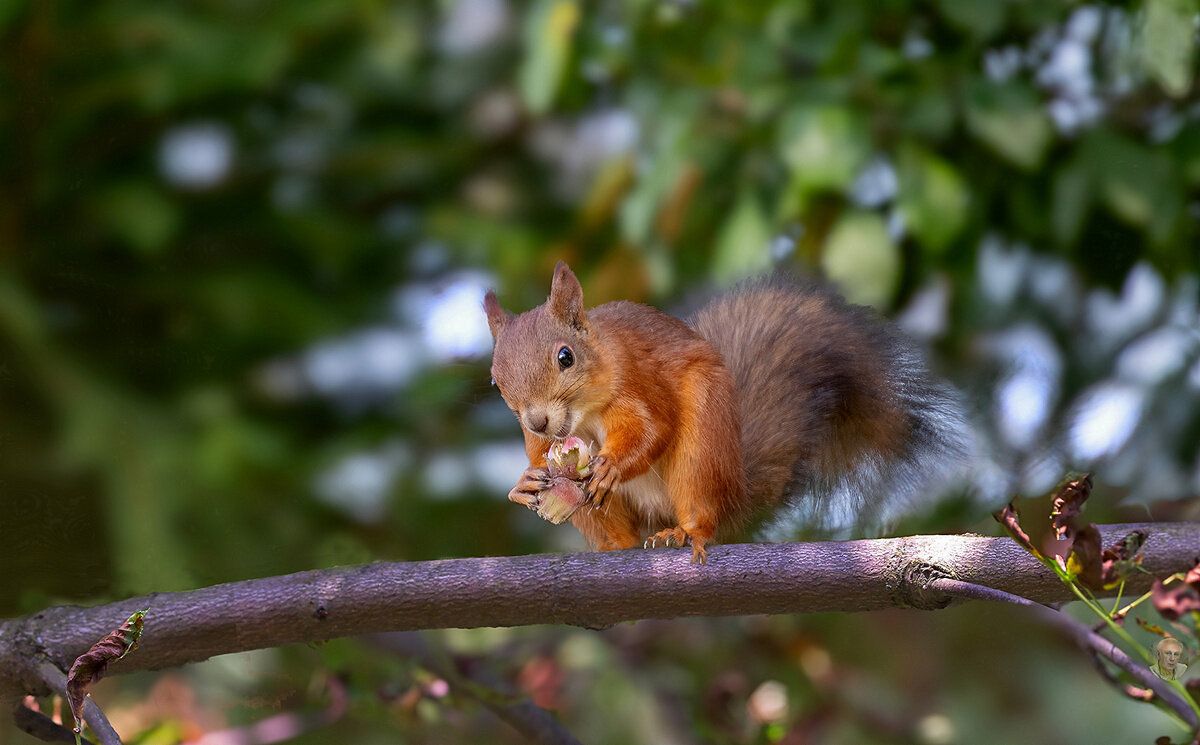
(496, 315)
(566, 297)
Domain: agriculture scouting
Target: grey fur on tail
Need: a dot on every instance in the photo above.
(880, 490)
(844, 429)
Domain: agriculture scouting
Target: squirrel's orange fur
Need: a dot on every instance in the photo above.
(776, 389)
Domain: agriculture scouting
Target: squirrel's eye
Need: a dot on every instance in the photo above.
(566, 357)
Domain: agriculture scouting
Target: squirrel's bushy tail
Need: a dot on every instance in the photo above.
(843, 427)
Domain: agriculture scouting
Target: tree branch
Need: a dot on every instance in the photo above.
(1084, 636)
(282, 727)
(38, 725)
(585, 589)
(95, 718)
(517, 710)
(1130, 690)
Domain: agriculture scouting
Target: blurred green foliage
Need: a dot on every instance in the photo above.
(196, 195)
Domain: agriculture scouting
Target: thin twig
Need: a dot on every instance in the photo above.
(42, 727)
(101, 728)
(1144, 596)
(1084, 636)
(1130, 690)
(282, 727)
(518, 711)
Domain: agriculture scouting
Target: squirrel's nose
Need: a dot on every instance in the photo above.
(537, 422)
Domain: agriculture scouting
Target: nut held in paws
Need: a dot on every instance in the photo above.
(561, 500)
(568, 462)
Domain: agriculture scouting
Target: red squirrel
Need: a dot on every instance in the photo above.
(777, 392)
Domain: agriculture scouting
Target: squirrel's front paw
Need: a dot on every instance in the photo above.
(529, 486)
(603, 480)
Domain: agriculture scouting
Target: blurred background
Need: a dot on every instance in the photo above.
(242, 251)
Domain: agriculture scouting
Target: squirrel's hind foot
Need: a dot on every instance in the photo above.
(678, 538)
(669, 538)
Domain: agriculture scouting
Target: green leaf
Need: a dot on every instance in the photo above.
(10, 10)
(140, 214)
(1185, 152)
(743, 247)
(861, 258)
(549, 35)
(1071, 196)
(825, 147)
(195, 57)
(1138, 184)
(1169, 43)
(933, 197)
(928, 112)
(637, 211)
(982, 18)
(1011, 121)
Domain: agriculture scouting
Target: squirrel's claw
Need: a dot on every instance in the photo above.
(679, 538)
(529, 500)
(670, 536)
(530, 486)
(603, 480)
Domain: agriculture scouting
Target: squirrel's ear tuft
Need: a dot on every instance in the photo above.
(496, 315)
(566, 297)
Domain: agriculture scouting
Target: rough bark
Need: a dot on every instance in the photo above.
(587, 589)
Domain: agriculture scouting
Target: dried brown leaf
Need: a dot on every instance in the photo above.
(1078, 551)
(1011, 520)
(1084, 563)
(90, 666)
(1193, 576)
(1173, 603)
(1068, 504)
(1122, 559)
(1150, 627)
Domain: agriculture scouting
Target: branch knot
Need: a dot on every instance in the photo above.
(910, 581)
